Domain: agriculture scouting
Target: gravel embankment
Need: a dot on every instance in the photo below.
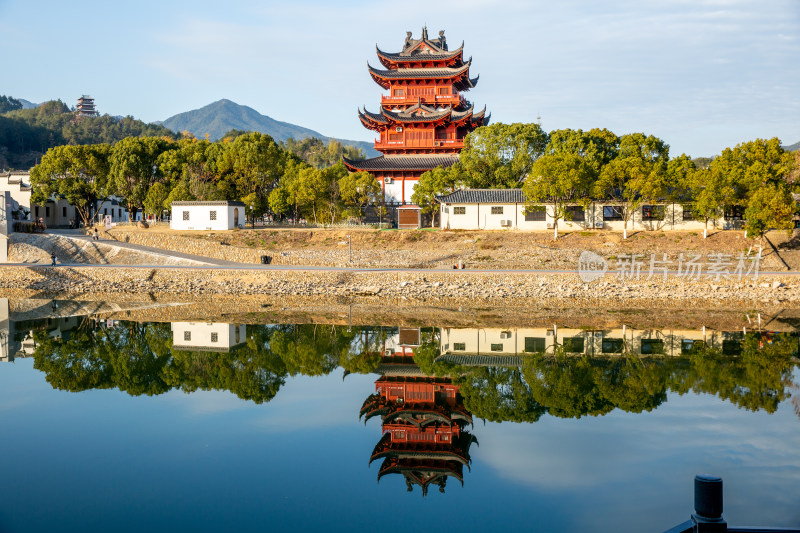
(452, 286)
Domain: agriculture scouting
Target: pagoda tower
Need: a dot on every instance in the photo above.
(86, 107)
(424, 422)
(423, 120)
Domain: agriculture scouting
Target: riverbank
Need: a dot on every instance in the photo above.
(365, 311)
(452, 288)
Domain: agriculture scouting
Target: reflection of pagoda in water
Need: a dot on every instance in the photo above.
(423, 419)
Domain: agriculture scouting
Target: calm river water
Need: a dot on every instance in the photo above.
(128, 426)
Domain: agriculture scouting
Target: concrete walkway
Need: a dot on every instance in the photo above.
(78, 235)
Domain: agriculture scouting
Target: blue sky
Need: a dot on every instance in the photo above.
(700, 74)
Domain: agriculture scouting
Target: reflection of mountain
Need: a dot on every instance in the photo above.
(422, 418)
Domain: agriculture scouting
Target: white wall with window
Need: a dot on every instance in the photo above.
(207, 336)
(207, 215)
(491, 210)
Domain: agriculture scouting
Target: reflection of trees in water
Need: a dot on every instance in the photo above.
(573, 386)
(138, 358)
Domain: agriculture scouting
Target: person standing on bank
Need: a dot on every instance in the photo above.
(53, 257)
(95, 237)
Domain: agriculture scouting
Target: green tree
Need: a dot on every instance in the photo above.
(636, 176)
(433, 183)
(559, 179)
(769, 207)
(359, 190)
(710, 191)
(156, 200)
(134, 168)
(500, 156)
(78, 174)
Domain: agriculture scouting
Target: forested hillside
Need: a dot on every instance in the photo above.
(26, 134)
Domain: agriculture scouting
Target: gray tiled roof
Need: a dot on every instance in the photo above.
(403, 162)
(417, 56)
(426, 73)
(483, 196)
(232, 204)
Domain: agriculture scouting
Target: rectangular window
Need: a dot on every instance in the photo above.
(688, 212)
(212, 215)
(395, 137)
(613, 345)
(214, 337)
(37, 211)
(105, 211)
(575, 213)
(397, 92)
(689, 346)
(47, 211)
(497, 347)
(534, 344)
(64, 212)
(459, 346)
(652, 346)
(573, 345)
(535, 213)
(444, 90)
(652, 212)
(120, 213)
(187, 335)
(442, 134)
(612, 212)
(186, 215)
(497, 209)
(731, 347)
(734, 212)
(460, 210)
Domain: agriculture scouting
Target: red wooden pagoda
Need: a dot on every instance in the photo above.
(423, 420)
(425, 117)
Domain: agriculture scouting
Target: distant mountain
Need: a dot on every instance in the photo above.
(222, 116)
(792, 147)
(26, 104)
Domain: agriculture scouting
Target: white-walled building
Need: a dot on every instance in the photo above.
(475, 342)
(207, 215)
(495, 209)
(207, 336)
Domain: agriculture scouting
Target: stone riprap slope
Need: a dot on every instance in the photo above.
(447, 287)
(35, 248)
(436, 249)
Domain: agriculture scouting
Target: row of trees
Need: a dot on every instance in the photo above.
(152, 172)
(139, 358)
(569, 167)
(575, 386)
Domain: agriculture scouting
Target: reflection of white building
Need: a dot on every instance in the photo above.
(207, 336)
(5, 332)
(623, 340)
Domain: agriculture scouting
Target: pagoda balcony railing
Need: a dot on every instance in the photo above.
(442, 99)
(437, 143)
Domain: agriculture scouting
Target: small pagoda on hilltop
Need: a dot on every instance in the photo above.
(86, 107)
(425, 117)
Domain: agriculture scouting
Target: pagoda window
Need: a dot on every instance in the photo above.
(395, 137)
(397, 92)
(421, 91)
(444, 90)
(442, 134)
